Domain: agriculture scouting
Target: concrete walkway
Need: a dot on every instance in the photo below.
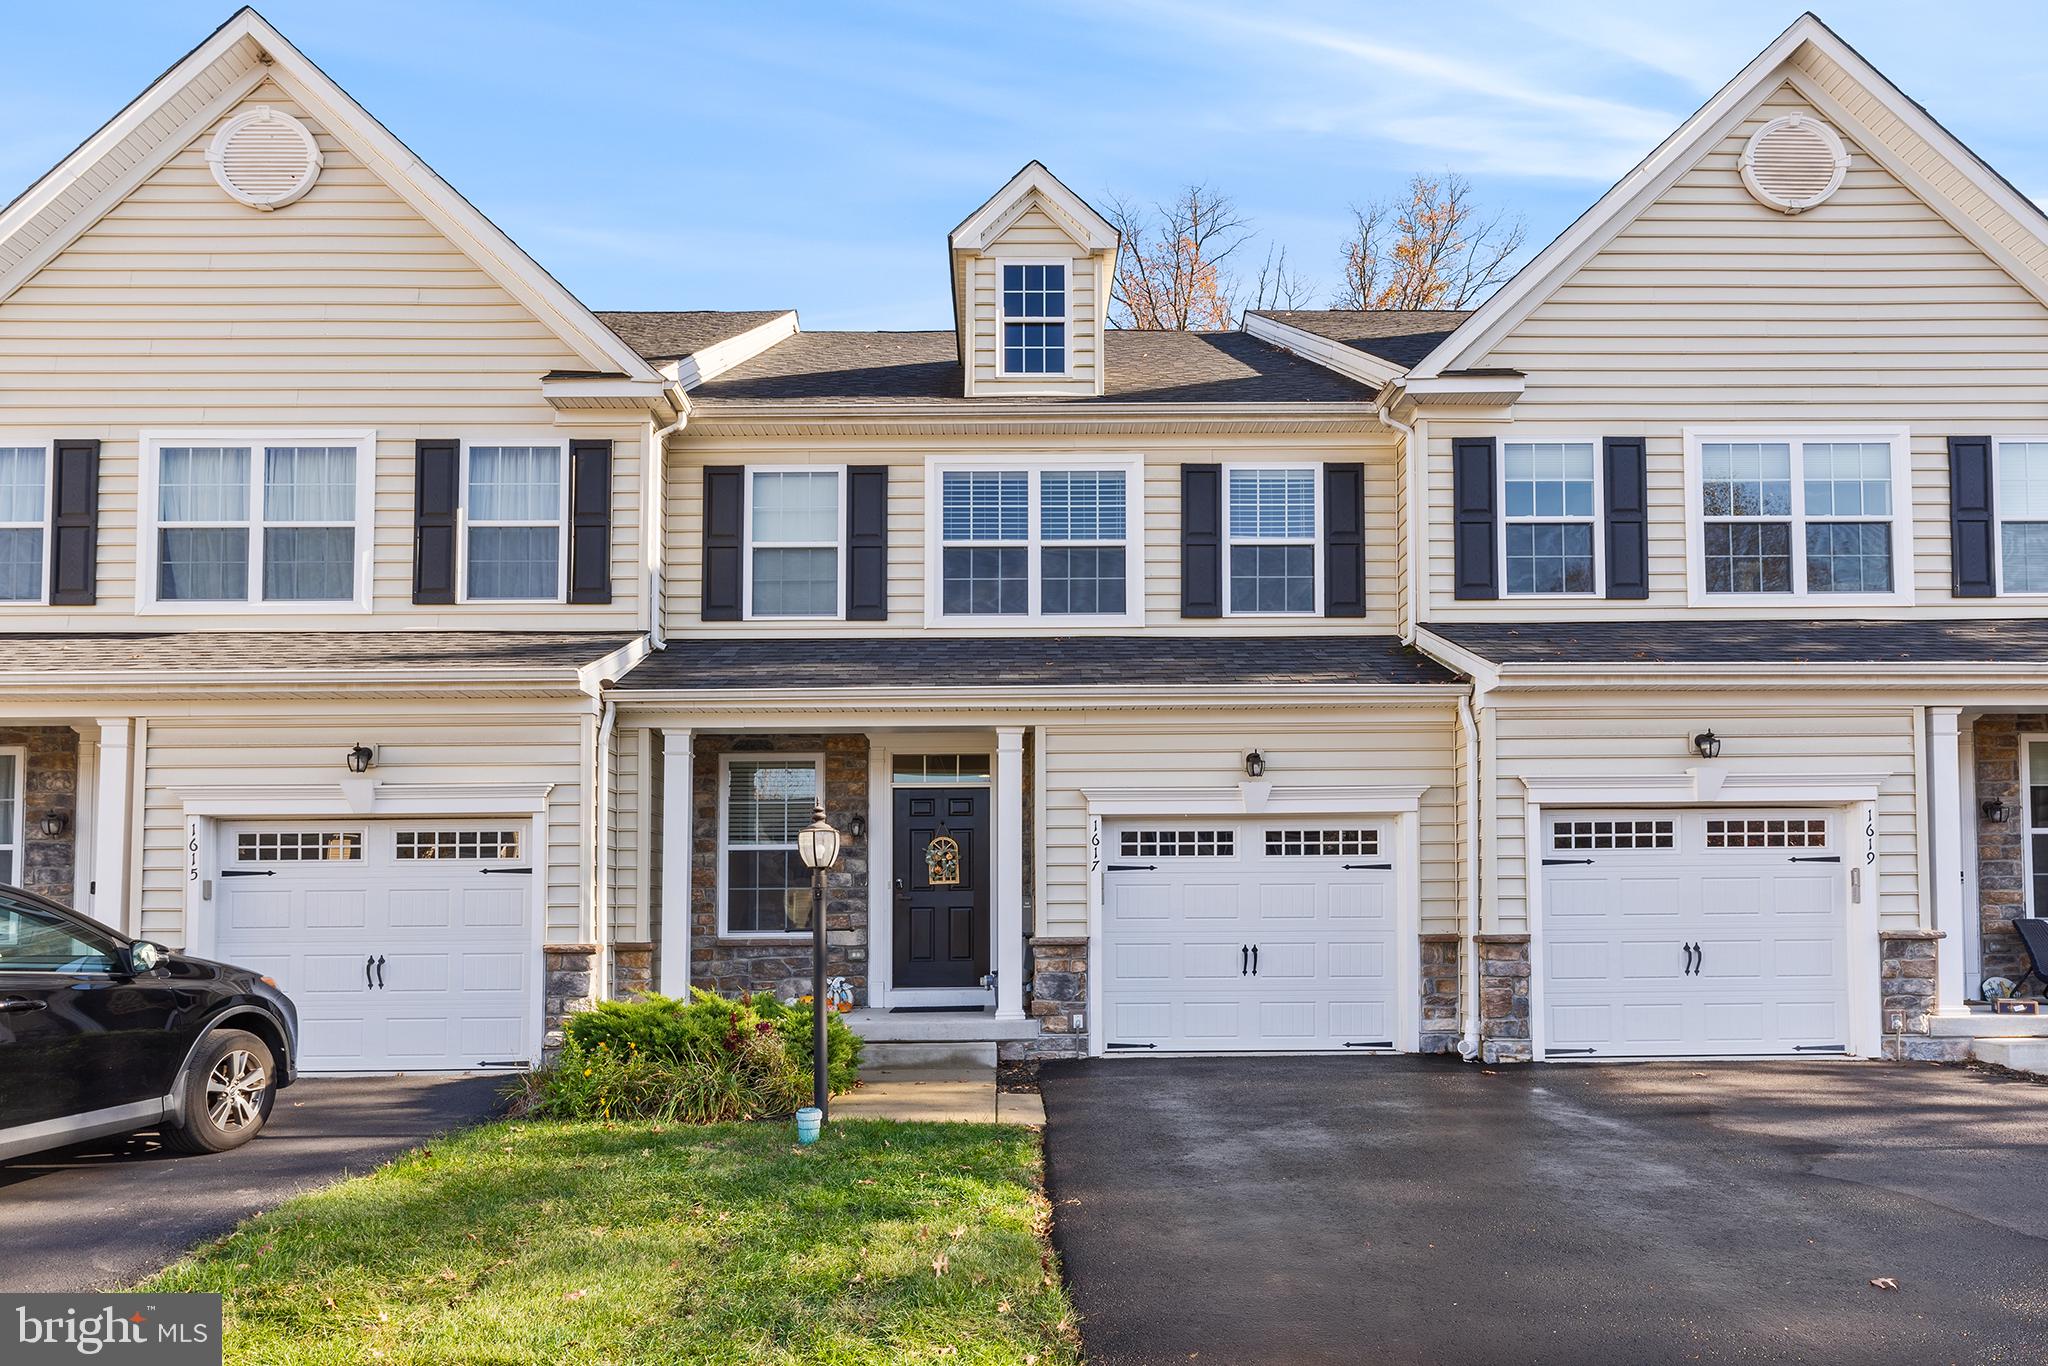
(962, 1095)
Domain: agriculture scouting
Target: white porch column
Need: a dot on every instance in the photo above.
(109, 886)
(1945, 810)
(1008, 917)
(676, 827)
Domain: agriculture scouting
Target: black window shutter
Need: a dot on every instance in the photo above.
(437, 480)
(867, 543)
(1972, 518)
(590, 521)
(724, 511)
(75, 524)
(1201, 540)
(1475, 525)
(1344, 540)
(1628, 518)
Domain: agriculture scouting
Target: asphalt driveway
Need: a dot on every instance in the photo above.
(1426, 1210)
(107, 1214)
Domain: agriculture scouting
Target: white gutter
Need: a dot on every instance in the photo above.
(1468, 1044)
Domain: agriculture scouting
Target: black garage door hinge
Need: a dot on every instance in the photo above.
(1131, 1045)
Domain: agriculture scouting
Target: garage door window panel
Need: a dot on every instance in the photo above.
(763, 880)
(1605, 833)
(299, 846)
(1322, 843)
(1178, 844)
(415, 846)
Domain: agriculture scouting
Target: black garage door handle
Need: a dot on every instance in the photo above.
(248, 872)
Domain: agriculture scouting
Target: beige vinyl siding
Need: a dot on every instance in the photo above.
(183, 310)
(1396, 746)
(625, 840)
(1160, 552)
(1034, 236)
(1709, 309)
(259, 744)
(1612, 736)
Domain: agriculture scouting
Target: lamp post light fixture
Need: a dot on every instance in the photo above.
(360, 758)
(1707, 745)
(1255, 765)
(817, 844)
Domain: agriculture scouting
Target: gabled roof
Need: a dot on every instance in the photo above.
(1401, 336)
(1072, 212)
(1997, 215)
(672, 336)
(182, 103)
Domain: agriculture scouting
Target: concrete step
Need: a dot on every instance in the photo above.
(883, 1026)
(1982, 1024)
(954, 1055)
(2022, 1055)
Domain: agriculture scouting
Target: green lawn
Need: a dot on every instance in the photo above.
(573, 1243)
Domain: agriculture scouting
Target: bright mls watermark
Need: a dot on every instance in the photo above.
(164, 1330)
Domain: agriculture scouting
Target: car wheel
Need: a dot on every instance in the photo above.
(228, 1094)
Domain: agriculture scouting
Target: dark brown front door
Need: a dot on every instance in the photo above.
(941, 886)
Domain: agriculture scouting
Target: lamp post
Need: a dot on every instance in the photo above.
(817, 844)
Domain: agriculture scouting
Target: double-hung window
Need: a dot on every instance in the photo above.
(1054, 543)
(1550, 489)
(794, 523)
(2022, 505)
(276, 522)
(1271, 514)
(1034, 319)
(513, 513)
(1789, 515)
(762, 879)
(24, 515)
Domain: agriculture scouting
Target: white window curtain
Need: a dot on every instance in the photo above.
(795, 535)
(309, 537)
(203, 516)
(22, 503)
(288, 510)
(515, 522)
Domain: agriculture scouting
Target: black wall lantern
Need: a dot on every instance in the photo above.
(1996, 811)
(360, 758)
(1255, 765)
(54, 824)
(1707, 745)
(858, 826)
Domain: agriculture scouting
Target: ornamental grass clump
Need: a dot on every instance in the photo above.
(700, 1061)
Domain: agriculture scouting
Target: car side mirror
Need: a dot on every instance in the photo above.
(143, 955)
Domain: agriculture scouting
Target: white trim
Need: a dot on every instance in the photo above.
(48, 446)
(884, 747)
(1166, 803)
(2026, 817)
(1033, 467)
(678, 835)
(463, 521)
(1230, 543)
(18, 844)
(149, 448)
(1947, 814)
(724, 847)
(1006, 873)
(837, 545)
(1594, 521)
(1327, 352)
(1065, 319)
(1703, 784)
(1073, 213)
(1970, 948)
(110, 824)
(1795, 435)
(707, 363)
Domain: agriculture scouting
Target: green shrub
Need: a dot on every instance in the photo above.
(698, 1061)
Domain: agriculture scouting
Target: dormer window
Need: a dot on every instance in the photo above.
(1034, 319)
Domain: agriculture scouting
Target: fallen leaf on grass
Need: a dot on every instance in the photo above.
(1884, 1282)
(859, 1278)
(940, 1263)
(328, 1301)
(575, 1294)
(448, 1275)
(1002, 1306)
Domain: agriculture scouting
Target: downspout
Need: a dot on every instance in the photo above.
(657, 448)
(601, 878)
(1411, 471)
(1468, 1044)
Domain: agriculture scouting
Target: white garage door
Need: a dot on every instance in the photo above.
(406, 947)
(1694, 934)
(1225, 936)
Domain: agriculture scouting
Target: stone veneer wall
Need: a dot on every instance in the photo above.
(1440, 1027)
(1906, 968)
(48, 865)
(1503, 997)
(632, 970)
(1058, 1001)
(570, 985)
(735, 966)
(2001, 849)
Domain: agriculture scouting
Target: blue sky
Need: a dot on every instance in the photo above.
(814, 155)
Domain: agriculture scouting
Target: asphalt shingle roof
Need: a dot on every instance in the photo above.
(923, 367)
(1969, 641)
(1400, 335)
(269, 651)
(671, 336)
(1033, 661)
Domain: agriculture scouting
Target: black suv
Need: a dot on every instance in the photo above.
(102, 1034)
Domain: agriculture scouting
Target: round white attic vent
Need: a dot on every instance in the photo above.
(1794, 163)
(264, 158)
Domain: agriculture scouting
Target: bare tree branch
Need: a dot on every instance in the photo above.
(1431, 250)
(1169, 272)
(1279, 286)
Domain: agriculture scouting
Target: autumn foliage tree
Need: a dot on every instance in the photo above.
(1436, 248)
(1171, 266)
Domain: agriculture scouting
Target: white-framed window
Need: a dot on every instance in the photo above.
(764, 799)
(1550, 521)
(256, 521)
(795, 519)
(13, 803)
(1052, 541)
(24, 521)
(1272, 522)
(2021, 502)
(515, 512)
(1799, 515)
(1034, 304)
